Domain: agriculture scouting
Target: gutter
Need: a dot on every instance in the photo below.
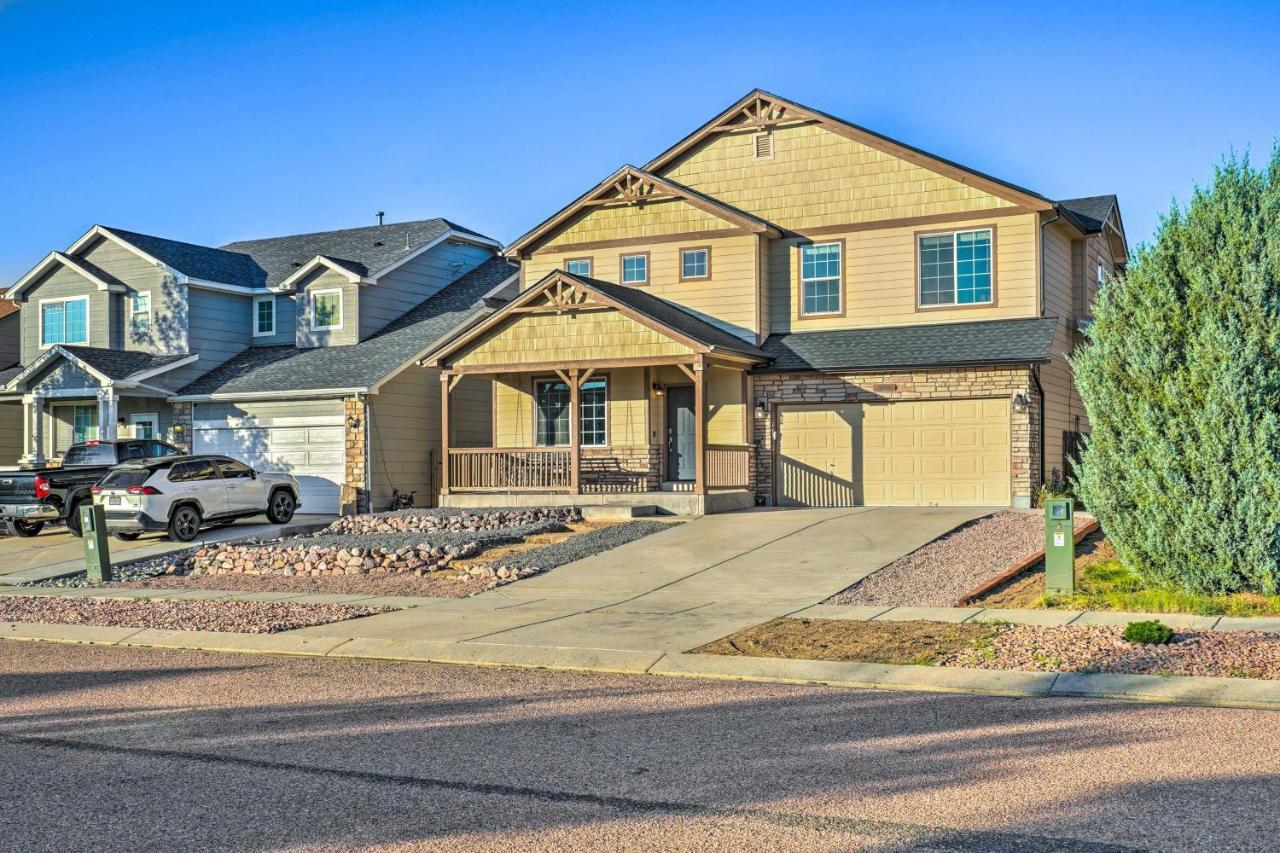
(267, 395)
(996, 362)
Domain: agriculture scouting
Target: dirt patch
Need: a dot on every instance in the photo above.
(939, 573)
(852, 640)
(1027, 589)
(242, 617)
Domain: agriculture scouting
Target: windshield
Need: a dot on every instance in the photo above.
(90, 454)
(125, 478)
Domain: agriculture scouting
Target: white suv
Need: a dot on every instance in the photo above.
(182, 494)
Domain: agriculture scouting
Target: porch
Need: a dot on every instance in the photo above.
(597, 403)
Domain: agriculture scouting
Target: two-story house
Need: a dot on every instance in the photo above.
(291, 353)
(10, 354)
(784, 307)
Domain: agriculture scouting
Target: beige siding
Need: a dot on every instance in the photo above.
(727, 297)
(575, 336)
(653, 219)
(726, 406)
(818, 178)
(880, 277)
(628, 397)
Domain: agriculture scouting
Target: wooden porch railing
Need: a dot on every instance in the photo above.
(489, 469)
(728, 466)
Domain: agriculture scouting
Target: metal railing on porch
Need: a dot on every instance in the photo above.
(728, 466)
(534, 469)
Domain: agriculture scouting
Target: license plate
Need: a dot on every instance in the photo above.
(113, 501)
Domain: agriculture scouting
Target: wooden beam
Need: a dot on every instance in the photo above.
(552, 366)
(700, 426)
(446, 385)
(575, 438)
(582, 380)
(564, 377)
(688, 371)
(454, 380)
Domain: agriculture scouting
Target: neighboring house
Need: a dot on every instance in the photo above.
(10, 413)
(290, 353)
(788, 308)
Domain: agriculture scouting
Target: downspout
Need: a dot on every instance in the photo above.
(1035, 377)
(1035, 370)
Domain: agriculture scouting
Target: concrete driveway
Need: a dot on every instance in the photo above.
(677, 589)
(55, 552)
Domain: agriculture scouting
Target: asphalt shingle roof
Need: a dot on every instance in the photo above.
(120, 364)
(1020, 341)
(1089, 213)
(672, 316)
(202, 262)
(368, 249)
(287, 368)
(7, 374)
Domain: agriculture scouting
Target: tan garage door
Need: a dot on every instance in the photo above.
(952, 452)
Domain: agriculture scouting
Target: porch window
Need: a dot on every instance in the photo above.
(140, 313)
(635, 269)
(64, 321)
(552, 415)
(820, 278)
(955, 269)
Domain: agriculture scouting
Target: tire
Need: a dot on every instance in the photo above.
(27, 528)
(184, 524)
(280, 507)
(73, 520)
(126, 535)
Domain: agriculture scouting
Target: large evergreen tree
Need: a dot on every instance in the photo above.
(1180, 374)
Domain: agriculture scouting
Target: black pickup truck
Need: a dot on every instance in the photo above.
(31, 499)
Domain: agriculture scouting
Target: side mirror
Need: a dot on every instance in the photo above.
(253, 474)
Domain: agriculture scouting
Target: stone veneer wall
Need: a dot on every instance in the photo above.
(621, 469)
(935, 384)
(355, 498)
(180, 432)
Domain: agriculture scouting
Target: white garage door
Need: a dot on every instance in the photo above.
(305, 439)
(945, 452)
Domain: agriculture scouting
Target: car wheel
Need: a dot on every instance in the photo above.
(184, 524)
(27, 528)
(281, 507)
(73, 520)
(126, 535)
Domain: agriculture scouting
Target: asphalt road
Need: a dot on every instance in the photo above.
(119, 749)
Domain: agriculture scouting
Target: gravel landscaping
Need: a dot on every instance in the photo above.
(939, 573)
(509, 568)
(1035, 648)
(242, 617)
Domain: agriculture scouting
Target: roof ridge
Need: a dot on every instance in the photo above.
(125, 233)
(347, 230)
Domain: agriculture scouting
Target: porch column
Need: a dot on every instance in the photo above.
(37, 429)
(575, 437)
(446, 385)
(107, 414)
(700, 425)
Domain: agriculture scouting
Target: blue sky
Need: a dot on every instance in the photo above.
(211, 122)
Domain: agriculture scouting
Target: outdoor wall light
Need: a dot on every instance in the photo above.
(1019, 402)
(658, 389)
(761, 407)
(353, 422)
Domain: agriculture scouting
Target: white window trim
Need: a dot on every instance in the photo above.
(706, 263)
(588, 261)
(256, 301)
(839, 280)
(150, 309)
(955, 276)
(607, 436)
(88, 334)
(143, 417)
(342, 309)
(622, 267)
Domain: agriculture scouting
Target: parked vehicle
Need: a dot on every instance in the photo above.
(183, 494)
(31, 499)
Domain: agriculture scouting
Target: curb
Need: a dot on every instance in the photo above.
(1182, 690)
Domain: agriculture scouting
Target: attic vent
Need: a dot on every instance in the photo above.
(764, 146)
(379, 243)
(297, 264)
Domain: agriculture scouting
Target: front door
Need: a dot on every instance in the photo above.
(682, 444)
(145, 426)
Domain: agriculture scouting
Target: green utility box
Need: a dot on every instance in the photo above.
(97, 555)
(1059, 546)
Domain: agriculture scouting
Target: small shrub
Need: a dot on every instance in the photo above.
(1152, 632)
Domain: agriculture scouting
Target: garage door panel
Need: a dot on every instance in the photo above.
(313, 454)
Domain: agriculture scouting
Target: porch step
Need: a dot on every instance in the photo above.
(617, 513)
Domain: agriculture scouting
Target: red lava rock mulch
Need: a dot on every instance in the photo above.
(242, 617)
(939, 573)
(1042, 648)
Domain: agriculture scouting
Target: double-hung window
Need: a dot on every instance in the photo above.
(264, 316)
(695, 264)
(635, 269)
(578, 266)
(955, 268)
(140, 313)
(326, 310)
(64, 321)
(552, 400)
(820, 278)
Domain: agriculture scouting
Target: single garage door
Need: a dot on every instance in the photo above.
(946, 452)
(305, 439)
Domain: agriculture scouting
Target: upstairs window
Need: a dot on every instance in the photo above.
(64, 321)
(578, 266)
(820, 290)
(326, 310)
(635, 269)
(695, 264)
(140, 313)
(955, 269)
(264, 316)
